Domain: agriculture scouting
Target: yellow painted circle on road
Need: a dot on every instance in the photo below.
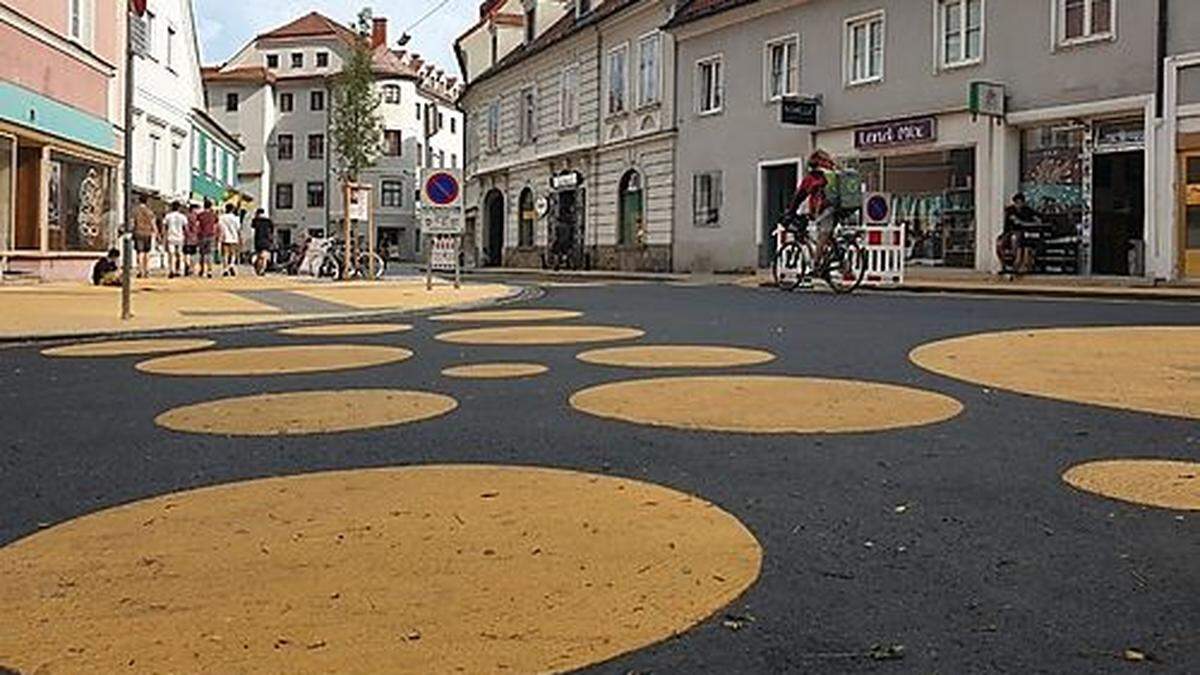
(128, 347)
(766, 404)
(495, 371)
(1151, 482)
(307, 412)
(344, 329)
(275, 360)
(676, 356)
(540, 335)
(1147, 369)
(509, 315)
(436, 569)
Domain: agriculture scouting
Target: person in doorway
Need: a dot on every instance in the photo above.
(264, 236)
(810, 199)
(231, 236)
(175, 224)
(1018, 217)
(145, 229)
(191, 239)
(206, 237)
(106, 271)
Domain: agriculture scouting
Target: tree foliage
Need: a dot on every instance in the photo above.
(355, 126)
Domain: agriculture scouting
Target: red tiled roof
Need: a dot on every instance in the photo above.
(312, 24)
(244, 74)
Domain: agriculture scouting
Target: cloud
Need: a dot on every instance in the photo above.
(225, 26)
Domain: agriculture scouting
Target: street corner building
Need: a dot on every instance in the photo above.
(570, 134)
(274, 95)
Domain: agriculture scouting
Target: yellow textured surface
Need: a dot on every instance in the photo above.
(539, 335)
(275, 360)
(346, 329)
(307, 412)
(1148, 369)
(509, 315)
(464, 569)
(404, 295)
(495, 371)
(765, 404)
(676, 356)
(1151, 482)
(128, 347)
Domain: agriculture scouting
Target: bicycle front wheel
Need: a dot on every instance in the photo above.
(847, 268)
(330, 268)
(364, 265)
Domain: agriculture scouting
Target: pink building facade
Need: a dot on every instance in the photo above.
(61, 116)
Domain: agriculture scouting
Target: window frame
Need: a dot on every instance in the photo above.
(939, 34)
(322, 59)
(399, 136)
(566, 122)
(172, 34)
(272, 61)
(718, 88)
(656, 38)
(81, 23)
(866, 19)
(527, 112)
(292, 60)
(290, 98)
(320, 145)
(279, 145)
(391, 94)
(709, 208)
(623, 50)
(1058, 17)
(792, 40)
(309, 193)
(233, 101)
(493, 116)
(386, 191)
(291, 193)
(314, 96)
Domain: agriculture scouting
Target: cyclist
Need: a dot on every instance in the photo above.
(811, 198)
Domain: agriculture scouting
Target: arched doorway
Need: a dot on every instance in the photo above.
(493, 252)
(632, 214)
(526, 217)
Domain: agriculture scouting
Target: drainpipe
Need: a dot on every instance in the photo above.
(1163, 33)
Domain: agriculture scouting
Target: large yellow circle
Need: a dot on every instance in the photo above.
(1151, 482)
(676, 356)
(128, 347)
(509, 315)
(1148, 369)
(540, 335)
(275, 360)
(766, 404)
(437, 569)
(495, 371)
(344, 329)
(307, 412)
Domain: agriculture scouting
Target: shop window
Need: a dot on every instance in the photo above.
(961, 32)
(283, 196)
(527, 218)
(632, 227)
(391, 194)
(1085, 20)
(617, 60)
(934, 198)
(316, 195)
(709, 86)
(82, 204)
(706, 199)
(864, 43)
(783, 67)
(1053, 179)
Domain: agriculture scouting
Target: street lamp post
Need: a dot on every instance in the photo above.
(132, 15)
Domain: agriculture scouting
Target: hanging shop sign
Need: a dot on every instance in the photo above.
(799, 111)
(987, 98)
(567, 180)
(896, 134)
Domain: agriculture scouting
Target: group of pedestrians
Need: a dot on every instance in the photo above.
(194, 236)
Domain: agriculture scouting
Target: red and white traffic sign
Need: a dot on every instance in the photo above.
(441, 189)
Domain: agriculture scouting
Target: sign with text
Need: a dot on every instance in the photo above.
(360, 202)
(896, 134)
(799, 111)
(443, 252)
(987, 98)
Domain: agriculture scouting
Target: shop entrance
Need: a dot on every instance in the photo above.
(1118, 212)
(493, 254)
(1190, 211)
(778, 184)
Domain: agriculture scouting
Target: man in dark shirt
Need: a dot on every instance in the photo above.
(1017, 217)
(106, 272)
(264, 238)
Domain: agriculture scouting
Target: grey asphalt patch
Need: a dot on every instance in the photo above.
(295, 303)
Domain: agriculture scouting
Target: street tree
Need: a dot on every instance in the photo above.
(355, 125)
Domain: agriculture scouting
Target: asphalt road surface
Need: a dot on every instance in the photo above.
(992, 564)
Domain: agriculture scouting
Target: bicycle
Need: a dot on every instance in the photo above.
(843, 266)
(332, 263)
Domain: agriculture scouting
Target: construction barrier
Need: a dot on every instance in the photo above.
(884, 244)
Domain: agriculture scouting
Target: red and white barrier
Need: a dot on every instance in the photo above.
(884, 245)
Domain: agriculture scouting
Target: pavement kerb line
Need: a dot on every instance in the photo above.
(982, 291)
(522, 293)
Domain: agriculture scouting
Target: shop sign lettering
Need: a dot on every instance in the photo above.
(893, 134)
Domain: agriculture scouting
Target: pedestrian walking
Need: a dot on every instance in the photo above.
(206, 228)
(145, 228)
(175, 224)
(191, 239)
(264, 236)
(231, 236)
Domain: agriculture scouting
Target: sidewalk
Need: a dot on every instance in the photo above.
(49, 310)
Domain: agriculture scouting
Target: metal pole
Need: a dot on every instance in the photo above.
(371, 236)
(429, 240)
(457, 262)
(346, 202)
(127, 236)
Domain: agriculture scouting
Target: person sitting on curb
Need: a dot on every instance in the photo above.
(106, 272)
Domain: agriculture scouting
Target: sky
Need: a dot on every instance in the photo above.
(224, 26)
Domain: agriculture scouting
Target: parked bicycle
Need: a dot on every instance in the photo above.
(333, 259)
(843, 265)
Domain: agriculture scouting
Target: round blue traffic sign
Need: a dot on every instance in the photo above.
(442, 189)
(878, 209)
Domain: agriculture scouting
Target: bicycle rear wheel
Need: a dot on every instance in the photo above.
(792, 265)
(364, 265)
(847, 267)
(330, 268)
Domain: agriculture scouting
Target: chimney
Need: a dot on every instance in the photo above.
(378, 32)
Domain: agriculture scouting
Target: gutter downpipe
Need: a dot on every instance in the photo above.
(1163, 33)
